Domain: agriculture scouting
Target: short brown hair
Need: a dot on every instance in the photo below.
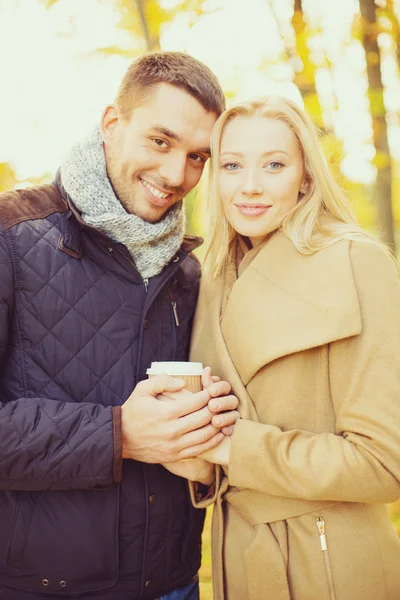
(176, 68)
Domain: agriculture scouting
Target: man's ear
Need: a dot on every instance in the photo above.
(109, 121)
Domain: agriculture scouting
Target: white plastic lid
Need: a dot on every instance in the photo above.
(175, 368)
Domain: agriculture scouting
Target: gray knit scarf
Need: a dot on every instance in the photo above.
(84, 178)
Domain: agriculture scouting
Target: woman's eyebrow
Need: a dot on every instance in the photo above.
(267, 153)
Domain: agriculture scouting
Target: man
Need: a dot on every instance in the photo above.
(96, 282)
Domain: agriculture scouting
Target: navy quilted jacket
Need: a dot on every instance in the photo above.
(78, 328)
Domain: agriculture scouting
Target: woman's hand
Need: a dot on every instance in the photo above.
(207, 379)
(193, 469)
(220, 454)
(225, 421)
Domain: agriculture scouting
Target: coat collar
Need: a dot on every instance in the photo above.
(286, 302)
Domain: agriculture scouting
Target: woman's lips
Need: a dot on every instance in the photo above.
(252, 210)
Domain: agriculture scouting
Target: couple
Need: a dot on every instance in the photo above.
(299, 310)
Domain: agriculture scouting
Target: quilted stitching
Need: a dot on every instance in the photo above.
(74, 339)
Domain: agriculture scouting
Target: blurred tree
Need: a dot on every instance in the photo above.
(382, 192)
(143, 8)
(394, 22)
(7, 177)
(147, 17)
(304, 68)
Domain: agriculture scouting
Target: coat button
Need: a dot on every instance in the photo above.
(148, 583)
(45, 582)
(152, 499)
(63, 583)
(175, 259)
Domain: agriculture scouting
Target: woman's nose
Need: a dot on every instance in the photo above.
(252, 186)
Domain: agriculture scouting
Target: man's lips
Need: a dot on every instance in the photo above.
(156, 194)
(252, 210)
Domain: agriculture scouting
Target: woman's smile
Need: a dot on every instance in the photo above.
(252, 210)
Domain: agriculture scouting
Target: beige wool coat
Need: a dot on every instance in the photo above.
(311, 346)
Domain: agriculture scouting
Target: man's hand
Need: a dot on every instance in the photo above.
(221, 406)
(194, 469)
(164, 432)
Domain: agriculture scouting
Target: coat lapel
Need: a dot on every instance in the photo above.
(286, 302)
(208, 345)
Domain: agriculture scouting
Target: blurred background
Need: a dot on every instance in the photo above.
(61, 61)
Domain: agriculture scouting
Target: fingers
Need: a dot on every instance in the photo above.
(198, 448)
(206, 378)
(220, 388)
(194, 421)
(226, 419)
(159, 384)
(197, 437)
(223, 403)
(228, 430)
(186, 402)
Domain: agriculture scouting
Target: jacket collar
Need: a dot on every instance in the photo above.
(70, 243)
(286, 302)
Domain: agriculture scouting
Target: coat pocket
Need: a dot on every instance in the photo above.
(63, 542)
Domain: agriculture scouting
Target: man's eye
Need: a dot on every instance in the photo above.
(198, 158)
(160, 143)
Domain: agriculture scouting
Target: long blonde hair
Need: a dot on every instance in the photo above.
(321, 217)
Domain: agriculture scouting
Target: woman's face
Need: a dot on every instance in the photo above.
(260, 174)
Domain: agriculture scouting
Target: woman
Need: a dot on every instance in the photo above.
(300, 312)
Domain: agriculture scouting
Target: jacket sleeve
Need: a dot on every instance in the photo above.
(46, 444)
(360, 462)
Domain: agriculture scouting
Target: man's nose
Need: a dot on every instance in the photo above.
(251, 185)
(173, 169)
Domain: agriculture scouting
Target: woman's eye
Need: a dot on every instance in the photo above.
(231, 166)
(275, 166)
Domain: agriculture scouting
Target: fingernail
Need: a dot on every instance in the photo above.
(218, 421)
(214, 405)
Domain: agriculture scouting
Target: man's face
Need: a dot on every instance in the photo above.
(157, 156)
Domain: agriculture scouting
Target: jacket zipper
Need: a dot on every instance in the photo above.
(175, 321)
(324, 547)
(175, 311)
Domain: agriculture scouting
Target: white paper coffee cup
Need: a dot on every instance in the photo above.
(190, 372)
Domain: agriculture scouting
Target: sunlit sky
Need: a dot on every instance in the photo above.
(54, 84)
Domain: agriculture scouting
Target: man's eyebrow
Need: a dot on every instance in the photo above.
(174, 136)
(167, 132)
(204, 150)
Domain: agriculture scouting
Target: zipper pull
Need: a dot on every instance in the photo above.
(146, 284)
(321, 531)
(175, 311)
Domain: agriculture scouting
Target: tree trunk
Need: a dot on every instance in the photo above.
(393, 18)
(152, 42)
(382, 192)
(304, 69)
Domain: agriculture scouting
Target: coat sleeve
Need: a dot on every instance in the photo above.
(46, 444)
(360, 462)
